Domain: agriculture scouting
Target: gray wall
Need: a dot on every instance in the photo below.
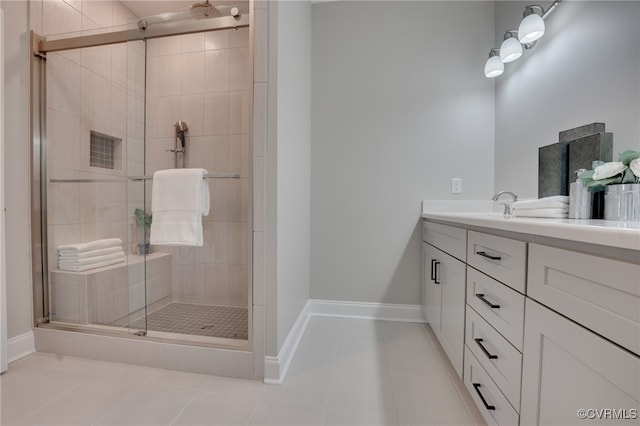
(291, 188)
(585, 69)
(16, 163)
(400, 105)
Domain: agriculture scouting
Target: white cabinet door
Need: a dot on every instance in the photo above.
(567, 368)
(431, 292)
(451, 273)
(444, 301)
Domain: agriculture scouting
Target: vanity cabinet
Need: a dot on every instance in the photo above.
(444, 288)
(551, 327)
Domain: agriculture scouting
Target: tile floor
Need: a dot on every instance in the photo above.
(345, 372)
(200, 320)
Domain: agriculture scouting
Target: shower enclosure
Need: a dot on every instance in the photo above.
(110, 109)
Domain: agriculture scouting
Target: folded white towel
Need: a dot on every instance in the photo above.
(547, 205)
(86, 254)
(556, 201)
(179, 199)
(91, 260)
(550, 213)
(81, 268)
(92, 245)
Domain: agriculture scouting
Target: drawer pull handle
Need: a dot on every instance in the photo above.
(488, 256)
(435, 273)
(486, 302)
(476, 386)
(486, 352)
(433, 270)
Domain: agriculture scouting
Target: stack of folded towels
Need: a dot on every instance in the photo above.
(94, 254)
(556, 206)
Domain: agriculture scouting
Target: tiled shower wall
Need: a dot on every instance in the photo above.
(204, 80)
(92, 89)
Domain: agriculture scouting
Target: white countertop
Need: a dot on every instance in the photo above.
(485, 214)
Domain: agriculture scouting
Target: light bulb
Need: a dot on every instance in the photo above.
(531, 28)
(510, 50)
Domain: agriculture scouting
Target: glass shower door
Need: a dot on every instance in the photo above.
(138, 218)
(95, 168)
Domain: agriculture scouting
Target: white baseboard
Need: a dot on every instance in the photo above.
(21, 346)
(276, 367)
(376, 311)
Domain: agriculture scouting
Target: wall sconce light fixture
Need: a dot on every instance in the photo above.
(532, 25)
(510, 49)
(494, 66)
(531, 29)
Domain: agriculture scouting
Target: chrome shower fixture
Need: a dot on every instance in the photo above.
(204, 10)
(181, 128)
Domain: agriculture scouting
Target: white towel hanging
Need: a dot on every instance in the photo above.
(180, 197)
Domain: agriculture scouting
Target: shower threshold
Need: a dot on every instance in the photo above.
(197, 320)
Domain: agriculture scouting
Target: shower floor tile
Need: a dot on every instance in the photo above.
(199, 320)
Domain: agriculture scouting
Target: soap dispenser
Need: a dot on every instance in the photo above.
(580, 199)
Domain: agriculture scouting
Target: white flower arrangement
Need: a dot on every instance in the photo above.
(627, 170)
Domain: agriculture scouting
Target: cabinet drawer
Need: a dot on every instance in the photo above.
(499, 358)
(485, 393)
(601, 294)
(449, 239)
(499, 305)
(501, 258)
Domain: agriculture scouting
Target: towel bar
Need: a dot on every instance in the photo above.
(140, 178)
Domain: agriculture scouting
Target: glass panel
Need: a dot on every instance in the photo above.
(138, 220)
(203, 80)
(86, 203)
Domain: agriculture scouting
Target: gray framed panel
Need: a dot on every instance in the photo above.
(161, 29)
(38, 173)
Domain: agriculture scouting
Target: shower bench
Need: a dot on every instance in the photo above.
(109, 295)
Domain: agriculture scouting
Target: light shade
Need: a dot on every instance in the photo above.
(531, 28)
(510, 50)
(494, 66)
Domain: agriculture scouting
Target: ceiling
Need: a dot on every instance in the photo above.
(143, 8)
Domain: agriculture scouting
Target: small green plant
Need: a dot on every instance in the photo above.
(142, 218)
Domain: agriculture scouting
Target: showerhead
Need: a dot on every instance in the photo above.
(181, 128)
(204, 10)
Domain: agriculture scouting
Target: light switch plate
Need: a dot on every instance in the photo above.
(456, 185)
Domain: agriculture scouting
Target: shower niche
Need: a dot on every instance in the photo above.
(114, 109)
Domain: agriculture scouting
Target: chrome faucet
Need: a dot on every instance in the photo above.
(507, 206)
